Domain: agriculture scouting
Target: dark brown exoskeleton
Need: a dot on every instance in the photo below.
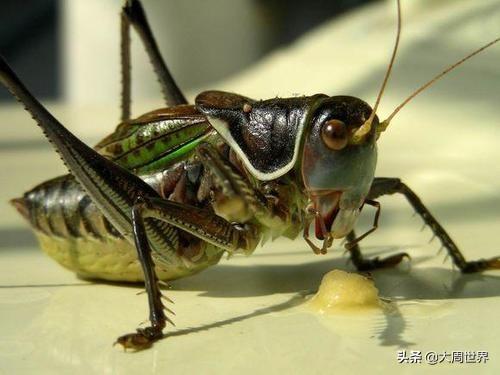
(182, 185)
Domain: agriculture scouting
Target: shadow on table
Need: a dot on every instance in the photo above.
(407, 282)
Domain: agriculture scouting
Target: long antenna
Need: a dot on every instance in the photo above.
(366, 127)
(386, 122)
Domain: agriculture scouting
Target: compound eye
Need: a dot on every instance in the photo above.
(334, 134)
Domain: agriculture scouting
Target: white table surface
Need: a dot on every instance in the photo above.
(245, 315)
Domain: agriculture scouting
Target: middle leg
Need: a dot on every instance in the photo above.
(133, 15)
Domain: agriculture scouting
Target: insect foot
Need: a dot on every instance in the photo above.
(370, 264)
(482, 265)
(140, 340)
(387, 262)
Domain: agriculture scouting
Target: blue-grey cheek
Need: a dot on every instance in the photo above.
(351, 170)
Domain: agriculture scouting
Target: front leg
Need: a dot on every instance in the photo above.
(236, 199)
(369, 264)
(385, 186)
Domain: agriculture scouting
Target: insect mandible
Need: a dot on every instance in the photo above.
(168, 193)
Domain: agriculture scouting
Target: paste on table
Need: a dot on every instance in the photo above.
(340, 291)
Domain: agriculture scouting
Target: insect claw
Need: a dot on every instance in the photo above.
(117, 342)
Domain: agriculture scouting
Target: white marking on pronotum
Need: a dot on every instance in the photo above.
(222, 129)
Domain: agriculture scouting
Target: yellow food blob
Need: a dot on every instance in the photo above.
(340, 291)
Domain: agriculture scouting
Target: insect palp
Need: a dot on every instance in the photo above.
(349, 245)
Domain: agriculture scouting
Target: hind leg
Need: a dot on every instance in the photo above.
(201, 223)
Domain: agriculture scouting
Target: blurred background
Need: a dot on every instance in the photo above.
(61, 48)
(69, 50)
(67, 53)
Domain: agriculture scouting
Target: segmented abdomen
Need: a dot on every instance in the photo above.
(60, 208)
(158, 146)
(73, 231)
